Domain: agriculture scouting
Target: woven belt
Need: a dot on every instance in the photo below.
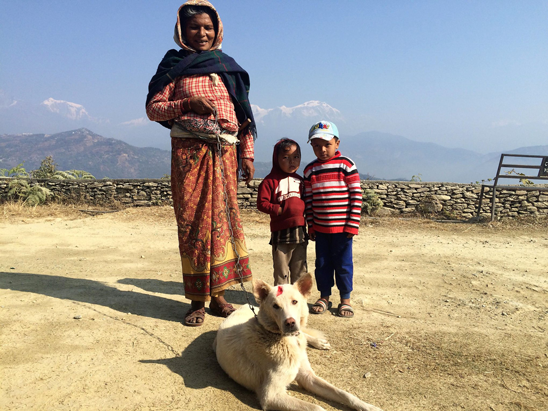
(226, 137)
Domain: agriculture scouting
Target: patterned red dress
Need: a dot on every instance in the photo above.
(204, 186)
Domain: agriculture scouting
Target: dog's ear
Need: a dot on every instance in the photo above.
(304, 284)
(260, 290)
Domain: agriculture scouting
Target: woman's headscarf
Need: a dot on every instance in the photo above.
(187, 62)
(178, 35)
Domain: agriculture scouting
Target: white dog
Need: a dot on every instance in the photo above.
(265, 354)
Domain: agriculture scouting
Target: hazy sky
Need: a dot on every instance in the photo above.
(469, 74)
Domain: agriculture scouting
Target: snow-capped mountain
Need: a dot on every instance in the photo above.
(66, 109)
(293, 122)
(307, 110)
(51, 116)
(376, 154)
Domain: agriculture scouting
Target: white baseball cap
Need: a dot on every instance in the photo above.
(325, 130)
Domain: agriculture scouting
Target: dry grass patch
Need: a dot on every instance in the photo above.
(515, 224)
(10, 210)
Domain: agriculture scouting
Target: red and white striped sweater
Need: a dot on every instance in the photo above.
(333, 195)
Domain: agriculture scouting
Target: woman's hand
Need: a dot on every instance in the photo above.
(201, 105)
(248, 168)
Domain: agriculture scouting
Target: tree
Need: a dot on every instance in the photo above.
(47, 169)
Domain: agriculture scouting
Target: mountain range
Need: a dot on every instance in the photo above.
(112, 150)
(84, 150)
(377, 155)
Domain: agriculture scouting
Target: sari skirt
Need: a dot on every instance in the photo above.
(202, 198)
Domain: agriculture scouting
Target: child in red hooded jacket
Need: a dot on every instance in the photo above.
(281, 196)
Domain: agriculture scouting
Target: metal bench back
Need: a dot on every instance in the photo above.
(517, 167)
(521, 167)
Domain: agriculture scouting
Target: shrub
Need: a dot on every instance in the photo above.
(48, 170)
(30, 195)
(17, 171)
(371, 202)
(429, 205)
(72, 174)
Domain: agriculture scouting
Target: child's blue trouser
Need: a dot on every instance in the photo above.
(334, 255)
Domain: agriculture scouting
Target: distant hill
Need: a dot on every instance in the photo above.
(263, 168)
(390, 157)
(379, 156)
(84, 150)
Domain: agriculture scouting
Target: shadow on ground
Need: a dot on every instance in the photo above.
(97, 293)
(199, 369)
(155, 286)
(234, 296)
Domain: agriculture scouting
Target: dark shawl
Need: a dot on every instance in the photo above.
(182, 63)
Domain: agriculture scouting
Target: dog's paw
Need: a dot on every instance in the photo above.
(320, 343)
(324, 344)
(316, 339)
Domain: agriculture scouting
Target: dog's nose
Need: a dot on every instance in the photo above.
(290, 323)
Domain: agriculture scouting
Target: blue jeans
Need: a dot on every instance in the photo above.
(334, 256)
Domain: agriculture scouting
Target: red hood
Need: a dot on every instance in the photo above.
(276, 171)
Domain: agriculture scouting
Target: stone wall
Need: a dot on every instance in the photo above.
(456, 200)
(448, 199)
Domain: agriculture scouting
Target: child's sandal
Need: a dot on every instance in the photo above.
(323, 305)
(345, 311)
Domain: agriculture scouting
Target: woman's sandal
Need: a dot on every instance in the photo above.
(323, 304)
(221, 310)
(192, 317)
(345, 308)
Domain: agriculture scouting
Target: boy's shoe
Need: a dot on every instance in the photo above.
(345, 311)
(323, 304)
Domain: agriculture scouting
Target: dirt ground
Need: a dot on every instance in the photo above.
(449, 316)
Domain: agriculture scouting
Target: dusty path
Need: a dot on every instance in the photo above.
(448, 317)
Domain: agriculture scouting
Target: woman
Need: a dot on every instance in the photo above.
(201, 94)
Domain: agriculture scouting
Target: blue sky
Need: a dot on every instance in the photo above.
(462, 73)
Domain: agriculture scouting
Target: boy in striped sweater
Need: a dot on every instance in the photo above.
(333, 200)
